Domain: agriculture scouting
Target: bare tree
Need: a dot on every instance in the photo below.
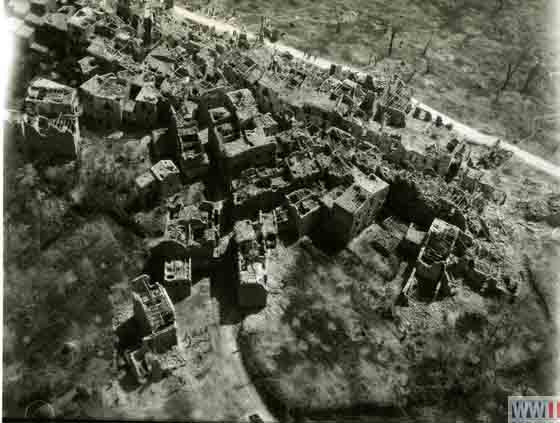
(511, 69)
(416, 66)
(372, 58)
(522, 41)
(428, 66)
(535, 72)
(411, 76)
(394, 30)
(338, 20)
(427, 46)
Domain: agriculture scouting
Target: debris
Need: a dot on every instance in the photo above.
(494, 158)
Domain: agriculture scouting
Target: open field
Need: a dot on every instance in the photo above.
(472, 42)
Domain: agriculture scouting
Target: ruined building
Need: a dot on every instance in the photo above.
(144, 110)
(191, 232)
(51, 99)
(392, 106)
(479, 181)
(420, 198)
(81, 27)
(449, 255)
(103, 98)
(145, 187)
(54, 139)
(303, 168)
(184, 138)
(485, 267)
(193, 160)
(154, 313)
(304, 210)
(177, 277)
(111, 101)
(439, 244)
(243, 106)
(430, 277)
(234, 138)
(259, 189)
(358, 206)
(252, 244)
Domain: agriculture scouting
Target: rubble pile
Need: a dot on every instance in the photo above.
(545, 209)
(420, 199)
(495, 158)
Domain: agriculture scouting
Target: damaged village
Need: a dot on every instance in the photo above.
(266, 239)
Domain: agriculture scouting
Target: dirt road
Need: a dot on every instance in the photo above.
(473, 135)
(231, 362)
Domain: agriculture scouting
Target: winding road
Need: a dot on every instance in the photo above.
(472, 135)
(230, 359)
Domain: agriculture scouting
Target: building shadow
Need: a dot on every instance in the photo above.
(128, 382)
(325, 240)
(128, 334)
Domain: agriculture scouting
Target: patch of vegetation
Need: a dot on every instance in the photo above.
(59, 267)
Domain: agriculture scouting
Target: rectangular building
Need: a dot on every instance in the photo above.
(358, 206)
(51, 99)
(103, 100)
(154, 313)
(304, 210)
(177, 278)
(252, 240)
(167, 176)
